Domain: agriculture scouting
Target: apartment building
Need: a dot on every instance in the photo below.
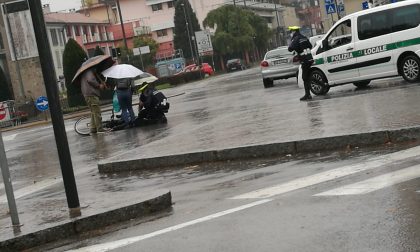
(87, 31)
(155, 17)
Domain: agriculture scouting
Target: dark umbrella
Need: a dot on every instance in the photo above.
(101, 62)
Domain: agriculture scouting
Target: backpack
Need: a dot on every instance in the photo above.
(124, 83)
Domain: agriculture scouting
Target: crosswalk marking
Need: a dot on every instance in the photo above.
(9, 137)
(127, 241)
(376, 183)
(32, 189)
(329, 175)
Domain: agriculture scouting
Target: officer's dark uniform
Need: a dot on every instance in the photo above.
(301, 45)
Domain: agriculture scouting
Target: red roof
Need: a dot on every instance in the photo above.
(70, 18)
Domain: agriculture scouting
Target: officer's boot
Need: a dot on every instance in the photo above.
(307, 95)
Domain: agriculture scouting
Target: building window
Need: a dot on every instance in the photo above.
(1, 42)
(170, 4)
(156, 7)
(68, 30)
(61, 36)
(77, 30)
(162, 33)
(54, 38)
(58, 59)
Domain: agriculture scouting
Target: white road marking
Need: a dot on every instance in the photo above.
(14, 184)
(38, 186)
(329, 175)
(125, 242)
(10, 137)
(376, 183)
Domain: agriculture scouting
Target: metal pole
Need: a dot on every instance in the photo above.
(193, 39)
(22, 89)
(141, 59)
(188, 32)
(336, 9)
(122, 24)
(8, 184)
(48, 72)
(245, 3)
(278, 24)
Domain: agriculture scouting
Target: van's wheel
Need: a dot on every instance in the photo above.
(410, 68)
(268, 83)
(361, 84)
(319, 84)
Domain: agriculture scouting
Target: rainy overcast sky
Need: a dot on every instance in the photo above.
(60, 5)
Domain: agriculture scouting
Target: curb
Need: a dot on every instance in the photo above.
(265, 150)
(89, 223)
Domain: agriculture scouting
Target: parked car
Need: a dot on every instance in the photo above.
(278, 64)
(205, 68)
(235, 64)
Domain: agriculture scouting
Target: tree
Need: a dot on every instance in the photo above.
(153, 45)
(4, 87)
(181, 18)
(73, 58)
(98, 51)
(237, 30)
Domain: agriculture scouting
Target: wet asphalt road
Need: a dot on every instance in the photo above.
(206, 114)
(206, 218)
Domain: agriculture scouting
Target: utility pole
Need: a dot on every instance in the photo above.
(47, 65)
(122, 28)
(188, 32)
(278, 24)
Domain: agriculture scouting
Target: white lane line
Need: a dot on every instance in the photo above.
(375, 183)
(125, 242)
(329, 175)
(38, 186)
(15, 183)
(10, 137)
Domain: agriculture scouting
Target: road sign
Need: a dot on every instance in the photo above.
(365, 5)
(341, 10)
(204, 45)
(42, 103)
(330, 8)
(329, 1)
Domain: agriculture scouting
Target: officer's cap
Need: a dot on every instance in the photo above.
(294, 28)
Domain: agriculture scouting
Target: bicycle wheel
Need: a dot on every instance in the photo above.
(82, 126)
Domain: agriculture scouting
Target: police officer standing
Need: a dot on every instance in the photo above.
(301, 45)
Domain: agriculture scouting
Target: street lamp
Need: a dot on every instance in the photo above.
(188, 32)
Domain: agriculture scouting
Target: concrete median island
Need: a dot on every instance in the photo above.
(263, 150)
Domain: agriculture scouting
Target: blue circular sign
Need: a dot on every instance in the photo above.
(42, 103)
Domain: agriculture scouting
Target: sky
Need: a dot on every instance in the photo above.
(59, 5)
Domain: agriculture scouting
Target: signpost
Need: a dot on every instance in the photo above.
(330, 6)
(204, 45)
(42, 103)
(140, 51)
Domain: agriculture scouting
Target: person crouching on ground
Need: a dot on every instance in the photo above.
(91, 90)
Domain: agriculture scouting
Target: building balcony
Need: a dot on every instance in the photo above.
(142, 30)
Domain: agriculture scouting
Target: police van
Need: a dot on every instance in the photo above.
(372, 44)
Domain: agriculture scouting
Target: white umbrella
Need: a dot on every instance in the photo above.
(122, 71)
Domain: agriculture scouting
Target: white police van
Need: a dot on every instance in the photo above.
(372, 44)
